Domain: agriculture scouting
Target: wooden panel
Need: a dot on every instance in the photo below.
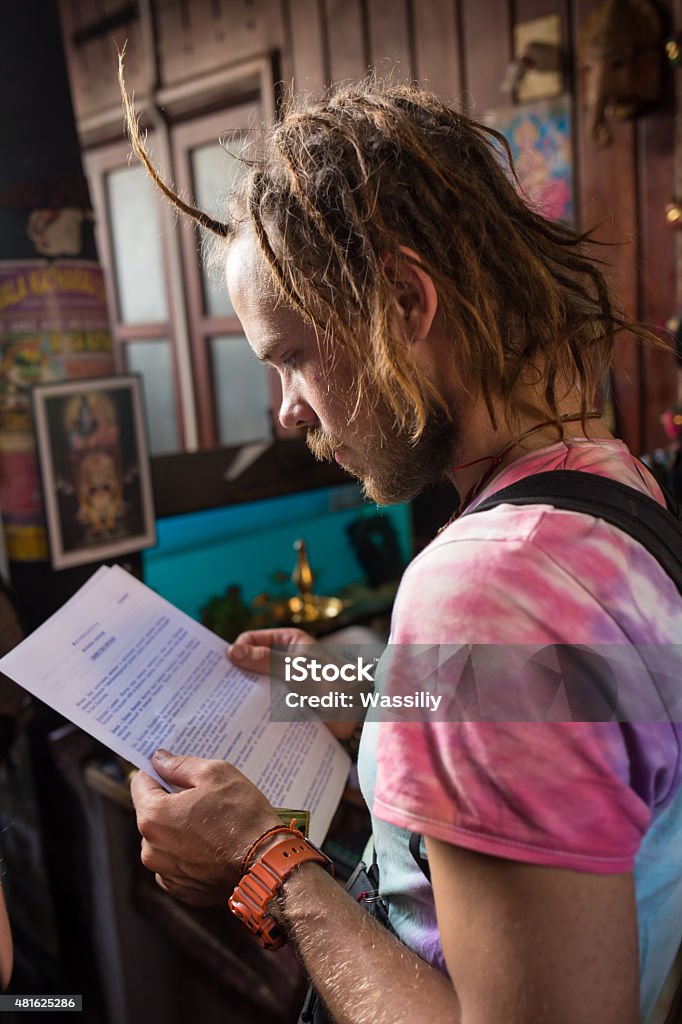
(658, 258)
(311, 71)
(608, 201)
(347, 41)
(437, 57)
(389, 42)
(526, 10)
(92, 62)
(487, 44)
(657, 263)
(201, 36)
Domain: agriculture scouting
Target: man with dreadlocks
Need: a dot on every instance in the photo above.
(426, 323)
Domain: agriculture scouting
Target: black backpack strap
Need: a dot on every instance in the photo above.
(657, 529)
(415, 844)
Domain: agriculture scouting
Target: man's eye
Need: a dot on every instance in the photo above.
(289, 362)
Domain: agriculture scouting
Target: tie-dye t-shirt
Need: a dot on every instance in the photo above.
(595, 797)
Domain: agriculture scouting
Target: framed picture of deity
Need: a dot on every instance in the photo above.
(540, 136)
(94, 464)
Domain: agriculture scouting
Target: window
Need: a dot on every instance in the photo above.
(239, 391)
(171, 317)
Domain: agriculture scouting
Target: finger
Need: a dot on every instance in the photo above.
(152, 859)
(162, 863)
(250, 657)
(263, 637)
(144, 789)
(261, 660)
(182, 770)
(282, 636)
(252, 649)
(192, 895)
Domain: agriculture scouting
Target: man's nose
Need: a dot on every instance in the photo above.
(295, 412)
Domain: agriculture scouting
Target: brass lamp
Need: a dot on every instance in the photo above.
(307, 607)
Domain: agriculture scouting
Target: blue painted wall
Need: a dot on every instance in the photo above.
(199, 554)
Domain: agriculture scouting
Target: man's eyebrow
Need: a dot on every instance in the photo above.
(268, 351)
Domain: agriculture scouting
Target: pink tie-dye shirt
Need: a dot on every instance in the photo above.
(594, 797)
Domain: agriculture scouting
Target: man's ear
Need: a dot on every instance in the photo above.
(415, 293)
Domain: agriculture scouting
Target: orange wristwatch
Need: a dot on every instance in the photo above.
(250, 899)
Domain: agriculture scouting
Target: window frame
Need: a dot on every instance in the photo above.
(185, 115)
(203, 326)
(99, 163)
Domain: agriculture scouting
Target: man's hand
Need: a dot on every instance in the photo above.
(252, 649)
(195, 840)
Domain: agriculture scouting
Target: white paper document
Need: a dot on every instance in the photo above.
(126, 666)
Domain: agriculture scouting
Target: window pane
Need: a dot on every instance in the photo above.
(215, 169)
(241, 390)
(136, 241)
(153, 360)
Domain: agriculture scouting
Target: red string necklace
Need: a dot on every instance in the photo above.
(495, 460)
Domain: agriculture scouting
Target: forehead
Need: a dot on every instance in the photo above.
(266, 321)
(245, 266)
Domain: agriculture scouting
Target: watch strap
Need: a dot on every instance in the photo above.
(261, 883)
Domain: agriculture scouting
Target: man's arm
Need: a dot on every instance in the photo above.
(194, 841)
(523, 944)
(363, 973)
(526, 944)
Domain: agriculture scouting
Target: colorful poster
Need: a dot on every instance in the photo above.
(54, 326)
(539, 135)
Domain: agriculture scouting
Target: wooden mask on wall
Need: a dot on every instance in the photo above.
(621, 63)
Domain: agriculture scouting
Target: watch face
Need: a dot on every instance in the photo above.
(294, 819)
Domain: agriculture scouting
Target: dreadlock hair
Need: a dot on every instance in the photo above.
(345, 184)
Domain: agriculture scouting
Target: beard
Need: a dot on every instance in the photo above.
(391, 467)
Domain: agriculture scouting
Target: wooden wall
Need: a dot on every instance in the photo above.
(460, 48)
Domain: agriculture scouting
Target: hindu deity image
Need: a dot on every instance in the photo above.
(94, 455)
